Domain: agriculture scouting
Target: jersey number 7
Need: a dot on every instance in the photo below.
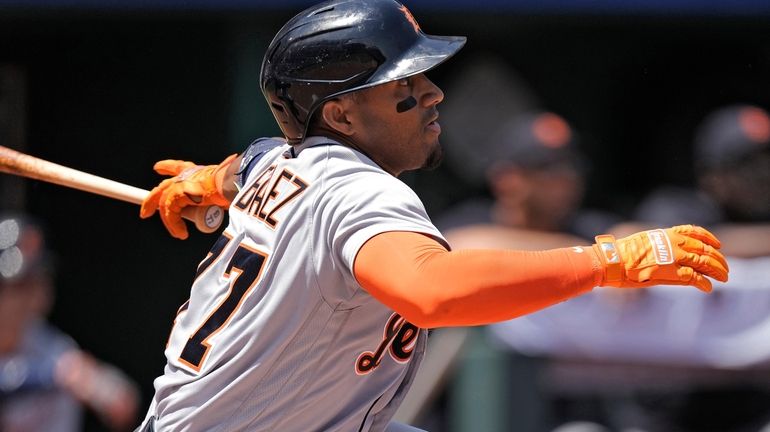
(242, 272)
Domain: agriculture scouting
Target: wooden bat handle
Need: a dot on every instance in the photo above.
(206, 219)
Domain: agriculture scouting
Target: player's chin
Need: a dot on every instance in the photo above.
(434, 158)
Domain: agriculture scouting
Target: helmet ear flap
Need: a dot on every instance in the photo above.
(284, 111)
(285, 97)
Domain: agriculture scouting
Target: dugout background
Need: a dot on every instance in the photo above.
(112, 92)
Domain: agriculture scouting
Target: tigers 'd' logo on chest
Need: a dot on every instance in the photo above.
(398, 339)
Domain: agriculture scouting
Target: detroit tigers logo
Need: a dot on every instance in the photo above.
(398, 339)
(410, 18)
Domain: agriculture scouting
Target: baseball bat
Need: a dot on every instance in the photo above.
(206, 219)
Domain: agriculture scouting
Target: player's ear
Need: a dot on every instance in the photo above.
(336, 116)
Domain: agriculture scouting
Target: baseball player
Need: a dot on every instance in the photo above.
(310, 310)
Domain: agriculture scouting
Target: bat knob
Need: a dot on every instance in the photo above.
(206, 219)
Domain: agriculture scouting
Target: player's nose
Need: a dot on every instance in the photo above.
(432, 94)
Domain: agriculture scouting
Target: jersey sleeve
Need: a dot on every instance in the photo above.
(368, 204)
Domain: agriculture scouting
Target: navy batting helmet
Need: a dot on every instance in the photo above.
(341, 46)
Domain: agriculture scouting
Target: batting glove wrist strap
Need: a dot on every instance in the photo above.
(607, 251)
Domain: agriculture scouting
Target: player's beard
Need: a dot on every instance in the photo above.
(434, 158)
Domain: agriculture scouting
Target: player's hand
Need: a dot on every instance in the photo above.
(191, 185)
(111, 394)
(681, 255)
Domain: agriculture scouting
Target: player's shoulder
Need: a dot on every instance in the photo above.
(347, 174)
(339, 162)
(255, 152)
(326, 162)
(348, 168)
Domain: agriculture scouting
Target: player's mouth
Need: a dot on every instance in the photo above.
(434, 126)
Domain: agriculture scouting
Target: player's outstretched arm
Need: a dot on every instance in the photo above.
(190, 185)
(432, 287)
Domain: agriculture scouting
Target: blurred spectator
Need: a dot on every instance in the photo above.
(661, 359)
(732, 173)
(44, 377)
(537, 183)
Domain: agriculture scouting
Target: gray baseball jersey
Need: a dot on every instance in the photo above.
(278, 334)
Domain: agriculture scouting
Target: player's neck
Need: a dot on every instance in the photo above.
(348, 142)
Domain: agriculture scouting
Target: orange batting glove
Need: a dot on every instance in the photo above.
(681, 255)
(192, 185)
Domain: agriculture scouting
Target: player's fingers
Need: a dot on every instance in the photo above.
(193, 190)
(151, 201)
(705, 264)
(689, 276)
(700, 248)
(171, 204)
(173, 222)
(149, 205)
(699, 233)
(171, 167)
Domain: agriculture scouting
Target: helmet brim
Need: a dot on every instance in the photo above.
(428, 52)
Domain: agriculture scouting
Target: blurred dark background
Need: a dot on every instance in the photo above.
(111, 87)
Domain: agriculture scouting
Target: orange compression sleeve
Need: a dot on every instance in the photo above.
(431, 287)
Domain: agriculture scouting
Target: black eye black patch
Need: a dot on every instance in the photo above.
(406, 104)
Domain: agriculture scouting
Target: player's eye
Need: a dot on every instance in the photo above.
(404, 82)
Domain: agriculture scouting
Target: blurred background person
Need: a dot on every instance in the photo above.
(666, 360)
(45, 379)
(731, 190)
(536, 182)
